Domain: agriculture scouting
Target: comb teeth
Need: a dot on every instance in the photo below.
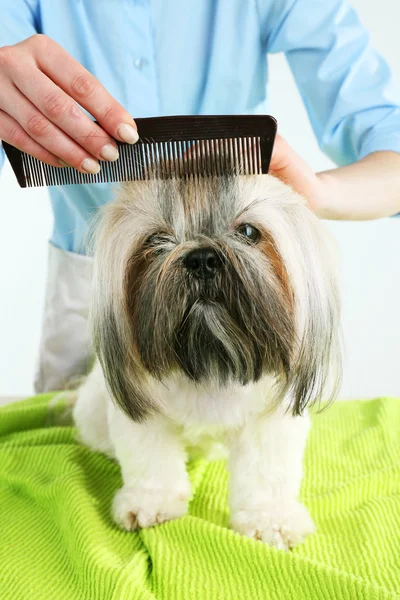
(141, 161)
(169, 147)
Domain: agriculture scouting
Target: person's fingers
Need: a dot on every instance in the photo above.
(83, 87)
(284, 159)
(293, 170)
(288, 166)
(61, 110)
(45, 133)
(12, 133)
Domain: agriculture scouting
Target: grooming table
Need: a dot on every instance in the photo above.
(57, 540)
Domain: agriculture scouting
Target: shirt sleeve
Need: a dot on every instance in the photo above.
(19, 19)
(348, 89)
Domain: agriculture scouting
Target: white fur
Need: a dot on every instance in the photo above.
(265, 455)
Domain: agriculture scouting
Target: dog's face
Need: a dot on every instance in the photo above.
(224, 280)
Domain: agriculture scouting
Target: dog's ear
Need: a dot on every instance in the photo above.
(113, 335)
(317, 369)
(304, 257)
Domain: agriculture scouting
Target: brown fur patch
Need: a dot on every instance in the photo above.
(269, 249)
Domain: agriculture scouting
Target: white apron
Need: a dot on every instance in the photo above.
(65, 350)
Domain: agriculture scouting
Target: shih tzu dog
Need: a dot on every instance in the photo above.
(216, 320)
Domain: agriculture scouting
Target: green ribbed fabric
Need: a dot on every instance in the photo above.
(57, 541)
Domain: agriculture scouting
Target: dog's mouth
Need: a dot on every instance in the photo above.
(200, 309)
(210, 346)
(205, 292)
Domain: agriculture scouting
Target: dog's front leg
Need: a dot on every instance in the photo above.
(265, 466)
(152, 457)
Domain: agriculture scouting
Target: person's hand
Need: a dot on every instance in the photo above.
(366, 189)
(289, 167)
(41, 86)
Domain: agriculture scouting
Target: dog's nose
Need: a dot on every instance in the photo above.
(203, 263)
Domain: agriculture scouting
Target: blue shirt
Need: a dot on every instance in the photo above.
(168, 57)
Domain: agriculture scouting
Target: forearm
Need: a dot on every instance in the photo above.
(367, 189)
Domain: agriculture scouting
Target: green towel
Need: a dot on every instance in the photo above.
(57, 540)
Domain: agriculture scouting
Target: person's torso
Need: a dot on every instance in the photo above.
(159, 58)
(156, 58)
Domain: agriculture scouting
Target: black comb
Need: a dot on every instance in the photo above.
(170, 147)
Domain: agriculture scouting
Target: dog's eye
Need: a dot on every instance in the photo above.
(249, 232)
(156, 241)
(152, 240)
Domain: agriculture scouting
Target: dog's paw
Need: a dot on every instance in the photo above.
(144, 507)
(280, 526)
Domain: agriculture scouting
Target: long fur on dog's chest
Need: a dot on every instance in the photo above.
(197, 407)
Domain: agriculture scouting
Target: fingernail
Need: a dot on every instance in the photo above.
(62, 163)
(109, 152)
(90, 166)
(128, 134)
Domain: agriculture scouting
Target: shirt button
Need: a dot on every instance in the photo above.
(139, 63)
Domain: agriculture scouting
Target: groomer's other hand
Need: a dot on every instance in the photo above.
(367, 189)
(288, 166)
(40, 86)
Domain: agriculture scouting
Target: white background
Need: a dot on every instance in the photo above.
(370, 251)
